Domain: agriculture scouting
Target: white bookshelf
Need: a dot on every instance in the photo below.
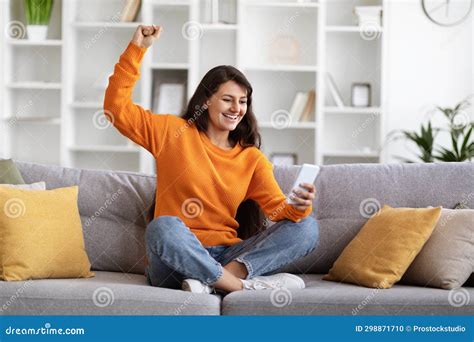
(351, 154)
(64, 124)
(104, 25)
(25, 42)
(294, 125)
(283, 4)
(352, 54)
(33, 119)
(352, 110)
(219, 27)
(105, 148)
(170, 66)
(97, 38)
(349, 28)
(32, 86)
(35, 85)
(281, 67)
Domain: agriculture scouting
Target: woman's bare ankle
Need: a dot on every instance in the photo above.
(228, 282)
(237, 269)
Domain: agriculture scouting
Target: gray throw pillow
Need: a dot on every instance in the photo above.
(9, 173)
(470, 281)
(446, 260)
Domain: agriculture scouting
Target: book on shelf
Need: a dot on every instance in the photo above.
(298, 105)
(169, 98)
(335, 93)
(303, 106)
(130, 10)
(309, 107)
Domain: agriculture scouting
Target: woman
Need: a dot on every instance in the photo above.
(208, 163)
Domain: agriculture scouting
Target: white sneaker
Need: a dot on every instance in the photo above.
(275, 281)
(195, 286)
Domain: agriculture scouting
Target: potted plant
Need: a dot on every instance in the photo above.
(459, 129)
(423, 140)
(38, 13)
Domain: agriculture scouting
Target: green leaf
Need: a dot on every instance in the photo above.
(405, 160)
(446, 155)
(424, 141)
(38, 12)
(466, 141)
(454, 141)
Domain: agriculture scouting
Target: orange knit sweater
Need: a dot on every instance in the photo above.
(196, 180)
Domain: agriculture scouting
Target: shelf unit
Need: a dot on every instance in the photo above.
(96, 38)
(279, 55)
(350, 28)
(283, 4)
(32, 86)
(322, 37)
(35, 85)
(352, 53)
(25, 42)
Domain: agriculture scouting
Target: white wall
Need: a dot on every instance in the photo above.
(427, 65)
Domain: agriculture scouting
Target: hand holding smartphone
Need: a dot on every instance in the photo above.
(307, 174)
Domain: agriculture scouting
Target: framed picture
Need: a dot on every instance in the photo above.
(283, 158)
(360, 95)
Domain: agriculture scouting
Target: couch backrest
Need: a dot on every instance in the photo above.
(348, 194)
(116, 206)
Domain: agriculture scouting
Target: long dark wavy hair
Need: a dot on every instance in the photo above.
(249, 215)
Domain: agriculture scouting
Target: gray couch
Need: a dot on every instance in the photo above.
(115, 207)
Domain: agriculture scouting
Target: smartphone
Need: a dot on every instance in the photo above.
(307, 174)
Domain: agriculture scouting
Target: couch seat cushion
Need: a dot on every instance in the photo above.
(108, 293)
(322, 297)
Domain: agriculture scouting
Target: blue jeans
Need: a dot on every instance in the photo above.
(174, 253)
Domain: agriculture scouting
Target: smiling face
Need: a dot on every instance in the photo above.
(227, 107)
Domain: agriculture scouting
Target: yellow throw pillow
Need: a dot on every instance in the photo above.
(385, 247)
(41, 235)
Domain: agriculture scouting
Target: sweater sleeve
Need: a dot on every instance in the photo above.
(136, 123)
(265, 190)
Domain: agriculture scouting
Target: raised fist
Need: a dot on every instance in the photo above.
(145, 35)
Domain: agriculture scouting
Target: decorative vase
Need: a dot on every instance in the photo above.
(37, 32)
